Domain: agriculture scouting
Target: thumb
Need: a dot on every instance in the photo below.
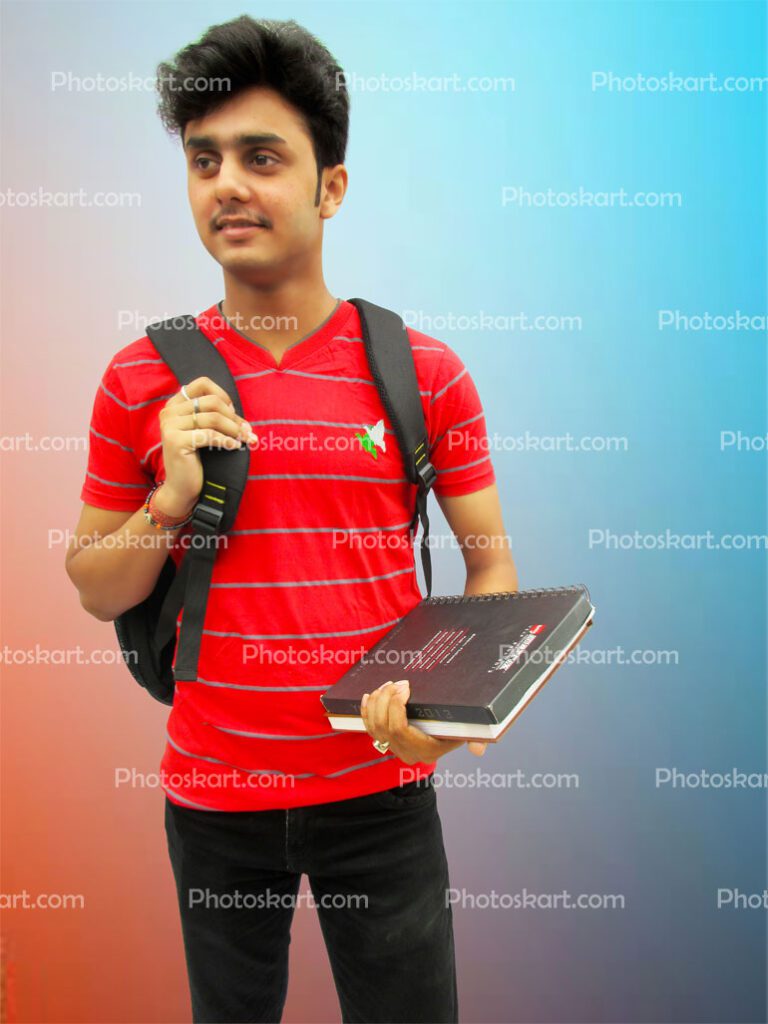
(403, 689)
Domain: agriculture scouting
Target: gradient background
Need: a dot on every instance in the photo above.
(423, 228)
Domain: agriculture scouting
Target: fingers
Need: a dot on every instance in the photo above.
(385, 718)
(199, 387)
(214, 420)
(377, 710)
(383, 714)
(367, 708)
(215, 424)
(188, 441)
(396, 716)
(178, 406)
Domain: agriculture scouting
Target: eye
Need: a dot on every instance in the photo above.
(200, 161)
(263, 156)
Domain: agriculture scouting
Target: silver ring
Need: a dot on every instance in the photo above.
(382, 747)
(195, 405)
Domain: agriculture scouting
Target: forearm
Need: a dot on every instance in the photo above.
(118, 570)
(497, 577)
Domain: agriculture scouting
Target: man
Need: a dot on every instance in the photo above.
(258, 789)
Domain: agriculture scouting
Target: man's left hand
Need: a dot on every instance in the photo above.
(385, 718)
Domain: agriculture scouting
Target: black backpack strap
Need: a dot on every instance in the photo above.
(189, 354)
(390, 358)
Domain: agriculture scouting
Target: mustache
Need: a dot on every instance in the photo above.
(245, 215)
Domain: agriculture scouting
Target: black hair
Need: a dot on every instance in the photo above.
(246, 52)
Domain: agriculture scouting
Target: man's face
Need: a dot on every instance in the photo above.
(252, 182)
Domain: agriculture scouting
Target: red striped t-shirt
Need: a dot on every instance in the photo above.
(318, 566)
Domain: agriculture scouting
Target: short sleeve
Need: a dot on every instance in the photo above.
(114, 478)
(459, 447)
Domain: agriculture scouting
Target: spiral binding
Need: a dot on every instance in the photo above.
(501, 594)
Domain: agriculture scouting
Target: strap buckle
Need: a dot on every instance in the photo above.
(426, 471)
(207, 518)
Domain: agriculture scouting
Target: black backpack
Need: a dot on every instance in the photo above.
(147, 632)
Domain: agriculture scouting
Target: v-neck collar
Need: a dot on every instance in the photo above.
(215, 326)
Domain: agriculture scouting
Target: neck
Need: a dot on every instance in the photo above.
(278, 315)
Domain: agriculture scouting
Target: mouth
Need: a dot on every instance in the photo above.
(238, 227)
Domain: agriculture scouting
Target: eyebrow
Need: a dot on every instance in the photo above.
(239, 141)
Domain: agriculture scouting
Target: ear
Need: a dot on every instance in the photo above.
(333, 187)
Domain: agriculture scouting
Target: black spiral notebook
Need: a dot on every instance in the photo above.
(474, 663)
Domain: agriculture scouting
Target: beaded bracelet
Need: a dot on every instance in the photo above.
(160, 520)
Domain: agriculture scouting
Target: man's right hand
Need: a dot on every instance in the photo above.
(218, 426)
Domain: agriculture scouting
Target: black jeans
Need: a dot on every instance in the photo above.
(378, 875)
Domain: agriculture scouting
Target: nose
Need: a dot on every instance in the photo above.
(231, 181)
